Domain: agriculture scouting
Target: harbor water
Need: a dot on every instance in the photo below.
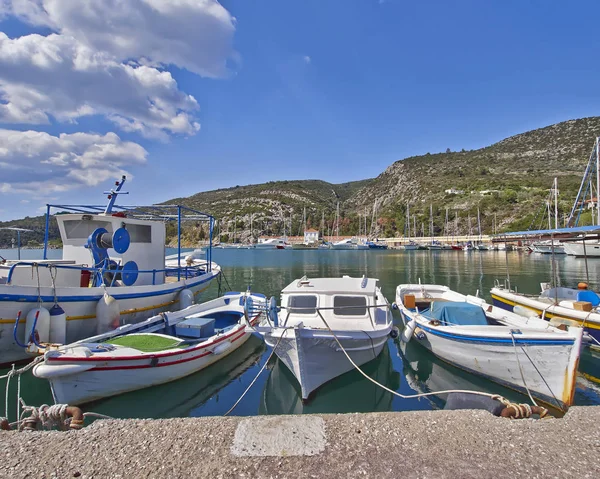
(408, 369)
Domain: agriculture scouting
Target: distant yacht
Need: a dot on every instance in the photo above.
(273, 243)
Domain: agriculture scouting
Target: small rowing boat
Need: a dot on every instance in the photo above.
(161, 349)
(524, 353)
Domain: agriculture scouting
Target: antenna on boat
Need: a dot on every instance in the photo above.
(113, 193)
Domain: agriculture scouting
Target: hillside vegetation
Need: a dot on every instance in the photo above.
(508, 182)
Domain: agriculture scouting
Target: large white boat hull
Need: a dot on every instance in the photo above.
(576, 248)
(136, 303)
(314, 356)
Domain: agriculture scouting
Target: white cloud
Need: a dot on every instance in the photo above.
(193, 34)
(55, 75)
(306, 59)
(41, 162)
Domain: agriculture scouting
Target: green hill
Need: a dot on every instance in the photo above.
(508, 182)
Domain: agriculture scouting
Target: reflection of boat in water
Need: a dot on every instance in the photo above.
(180, 398)
(426, 373)
(589, 365)
(350, 392)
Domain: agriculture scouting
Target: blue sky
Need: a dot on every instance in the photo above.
(328, 89)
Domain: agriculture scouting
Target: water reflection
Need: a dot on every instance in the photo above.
(426, 373)
(350, 392)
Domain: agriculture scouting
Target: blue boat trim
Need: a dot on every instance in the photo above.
(460, 337)
(66, 299)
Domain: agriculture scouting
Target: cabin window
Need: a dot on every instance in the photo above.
(81, 229)
(302, 304)
(139, 233)
(349, 305)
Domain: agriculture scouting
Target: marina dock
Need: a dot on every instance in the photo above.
(429, 444)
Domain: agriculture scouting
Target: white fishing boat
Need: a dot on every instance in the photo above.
(112, 272)
(579, 307)
(357, 313)
(524, 353)
(411, 246)
(273, 243)
(161, 349)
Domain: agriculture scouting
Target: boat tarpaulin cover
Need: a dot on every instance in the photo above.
(457, 314)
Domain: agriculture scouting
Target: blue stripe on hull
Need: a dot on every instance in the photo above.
(66, 299)
(484, 340)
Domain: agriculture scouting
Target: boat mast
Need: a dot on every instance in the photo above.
(446, 226)
(478, 224)
(234, 227)
(556, 203)
(597, 181)
(408, 219)
(431, 222)
(337, 221)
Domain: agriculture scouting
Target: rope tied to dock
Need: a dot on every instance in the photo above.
(47, 416)
(521, 411)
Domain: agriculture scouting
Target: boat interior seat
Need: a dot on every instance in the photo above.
(589, 296)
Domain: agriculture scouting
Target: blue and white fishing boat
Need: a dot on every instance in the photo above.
(161, 349)
(523, 353)
(112, 272)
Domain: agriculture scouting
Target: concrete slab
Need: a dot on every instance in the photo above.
(279, 436)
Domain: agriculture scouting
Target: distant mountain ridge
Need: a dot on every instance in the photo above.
(508, 182)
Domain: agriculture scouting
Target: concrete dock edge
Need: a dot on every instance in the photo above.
(432, 444)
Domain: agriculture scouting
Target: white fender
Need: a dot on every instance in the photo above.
(108, 314)
(186, 298)
(221, 348)
(408, 331)
(58, 325)
(525, 312)
(42, 326)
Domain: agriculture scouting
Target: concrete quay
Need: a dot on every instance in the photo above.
(427, 444)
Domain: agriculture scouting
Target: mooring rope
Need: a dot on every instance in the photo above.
(259, 372)
(409, 396)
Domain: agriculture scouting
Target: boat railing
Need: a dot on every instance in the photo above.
(181, 272)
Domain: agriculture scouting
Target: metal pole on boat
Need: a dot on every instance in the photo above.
(597, 181)
(46, 233)
(507, 269)
(587, 274)
(554, 282)
(556, 203)
(211, 224)
(178, 242)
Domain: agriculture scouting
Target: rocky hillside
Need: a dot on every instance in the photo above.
(508, 182)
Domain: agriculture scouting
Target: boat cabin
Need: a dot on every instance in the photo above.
(345, 303)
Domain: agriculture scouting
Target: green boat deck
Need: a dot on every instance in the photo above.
(147, 342)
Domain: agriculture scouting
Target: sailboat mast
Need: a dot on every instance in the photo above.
(408, 219)
(556, 203)
(598, 180)
(446, 226)
(431, 222)
(337, 221)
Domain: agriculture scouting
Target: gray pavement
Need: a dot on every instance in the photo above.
(432, 444)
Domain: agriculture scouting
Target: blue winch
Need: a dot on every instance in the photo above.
(109, 270)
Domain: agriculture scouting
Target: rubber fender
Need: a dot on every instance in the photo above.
(42, 326)
(473, 401)
(186, 298)
(58, 325)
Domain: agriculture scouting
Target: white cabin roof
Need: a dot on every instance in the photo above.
(343, 285)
